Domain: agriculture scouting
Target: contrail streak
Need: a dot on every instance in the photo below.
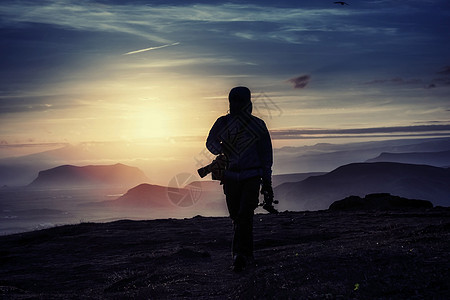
(151, 48)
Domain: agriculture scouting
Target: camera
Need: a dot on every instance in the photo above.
(216, 167)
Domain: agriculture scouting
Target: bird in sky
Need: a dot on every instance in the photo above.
(341, 3)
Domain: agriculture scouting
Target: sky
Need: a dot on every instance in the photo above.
(83, 71)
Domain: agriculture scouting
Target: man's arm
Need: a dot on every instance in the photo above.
(213, 142)
(266, 155)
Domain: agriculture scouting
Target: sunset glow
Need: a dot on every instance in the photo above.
(159, 73)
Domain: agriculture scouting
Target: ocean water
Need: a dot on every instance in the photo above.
(24, 209)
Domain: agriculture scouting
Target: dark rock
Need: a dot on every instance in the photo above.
(380, 201)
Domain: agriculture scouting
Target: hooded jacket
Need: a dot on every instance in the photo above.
(243, 138)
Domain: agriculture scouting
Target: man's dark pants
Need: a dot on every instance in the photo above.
(242, 199)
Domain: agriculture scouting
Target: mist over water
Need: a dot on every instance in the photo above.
(23, 209)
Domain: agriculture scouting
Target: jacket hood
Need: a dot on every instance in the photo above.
(240, 100)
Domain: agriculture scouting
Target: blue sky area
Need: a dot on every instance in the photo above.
(75, 71)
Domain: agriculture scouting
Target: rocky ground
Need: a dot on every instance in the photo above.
(299, 255)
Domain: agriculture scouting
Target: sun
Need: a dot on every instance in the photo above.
(153, 119)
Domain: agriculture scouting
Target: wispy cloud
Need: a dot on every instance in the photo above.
(407, 130)
(396, 80)
(443, 80)
(157, 22)
(151, 48)
(439, 82)
(182, 62)
(111, 49)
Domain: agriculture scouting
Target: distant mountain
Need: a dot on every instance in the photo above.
(358, 179)
(437, 159)
(277, 179)
(325, 157)
(212, 194)
(69, 176)
(197, 194)
(144, 195)
(283, 178)
(20, 171)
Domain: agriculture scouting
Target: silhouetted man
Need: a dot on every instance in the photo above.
(245, 142)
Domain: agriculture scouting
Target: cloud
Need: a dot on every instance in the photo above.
(427, 84)
(300, 82)
(5, 144)
(441, 81)
(445, 71)
(158, 22)
(180, 62)
(431, 122)
(151, 48)
(396, 80)
(77, 48)
(34, 103)
(408, 130)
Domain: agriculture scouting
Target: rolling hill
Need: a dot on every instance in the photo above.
(325, 157)
(198, 197)
(143, 196)
(405, 180)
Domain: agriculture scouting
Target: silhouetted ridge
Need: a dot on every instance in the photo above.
(405, 180)
(389, 169)
(438, 159)
(144, 195)
(102, 175)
